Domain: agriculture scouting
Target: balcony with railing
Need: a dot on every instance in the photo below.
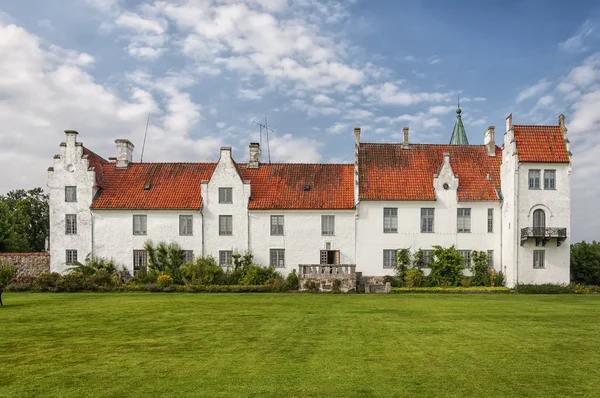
(543, 235)
(323, 270)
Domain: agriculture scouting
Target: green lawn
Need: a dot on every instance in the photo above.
(299, 345)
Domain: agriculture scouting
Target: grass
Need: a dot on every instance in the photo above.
(298, 345)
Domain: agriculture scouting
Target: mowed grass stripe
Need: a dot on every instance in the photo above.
(298, 345)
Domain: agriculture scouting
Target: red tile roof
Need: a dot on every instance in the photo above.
(174, 186)
(541, 144)
(389, 172)
(282, 186)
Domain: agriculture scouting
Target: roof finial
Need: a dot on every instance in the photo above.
(458, 111)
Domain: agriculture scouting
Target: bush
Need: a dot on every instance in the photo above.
(228, 289)
(7, 273)
(164, 280)
(203, 271)
(395, 282)
(72, 282)
(446, 266)
(292, 282)
(438, 289)
(480, 269)
(579, 288)
(144, 277)
(403, 263)
(414, 277)
(46, 282)
(165, 257)
(93, 265)
(497, 278)
(277, 284)
(547, 288)
(21, 283)
(102, 277)
(585, 263)
(311, 286)
(257, 275)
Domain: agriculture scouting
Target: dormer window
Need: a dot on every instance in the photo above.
(225, 195)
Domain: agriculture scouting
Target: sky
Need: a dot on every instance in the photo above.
(205, 70)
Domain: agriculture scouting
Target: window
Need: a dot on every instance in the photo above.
(330, 256)
(534, 179)
(225, 195)
(549, 179)
(139, 260)
(389, 258)
(276, 225)
(390, 219)
(466, 254)
(277, 258)
(70, 194)
(427, 258)
(186, 227)
(225, 257)
(464, 220)
(539, 222)
(327, 225)
(71, 224)
(139, 224)
(490, 258)
(225, 225)
(490, 220)
(71, 257)
(427, 219)
(188, 256)
(539, 257)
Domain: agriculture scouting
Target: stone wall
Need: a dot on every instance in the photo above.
(324, 283)
(32, 264)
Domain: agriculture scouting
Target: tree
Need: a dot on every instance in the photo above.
(446, 267)
(585, 263)
(29, 220)
(403, 263)
(480, 269)
(165, 257)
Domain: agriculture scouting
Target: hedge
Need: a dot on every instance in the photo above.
(451, 290)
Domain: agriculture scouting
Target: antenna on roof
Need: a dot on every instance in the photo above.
(145, 134)
(268, 130)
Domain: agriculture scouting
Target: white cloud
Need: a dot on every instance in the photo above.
(358, 115)
(149, 34)
(479, 99)
(337, 128)
(287, 148)
(578, 42)
(534, 90)
(322, 99)
(390, 94)
(433, 60)
(441, 109)
(546, 100)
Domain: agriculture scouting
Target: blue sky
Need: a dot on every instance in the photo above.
(204, 70)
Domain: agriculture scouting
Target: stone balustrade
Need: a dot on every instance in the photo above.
(320, 270)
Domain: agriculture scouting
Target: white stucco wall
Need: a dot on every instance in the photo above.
(302, 239)
(70, 169)
(225, 176)
(114, 238)
(556, 205)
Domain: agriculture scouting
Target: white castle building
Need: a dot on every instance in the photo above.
(512, 202)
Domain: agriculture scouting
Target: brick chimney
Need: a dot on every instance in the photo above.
(254, 155)
(405, 141)
(489, 142)
(124, 153)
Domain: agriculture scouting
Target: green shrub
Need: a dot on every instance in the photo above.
(228, 289)
(438, 289)
(165, 257)
(21, 283)
(203, 271)
(291, 282)
(579, 288)
(547, 288)
(7, 273)
(466, 281)
(311, 286)
(73, 282)
(144, 277)
(480, 269)
(394, 281)
(152, 287)
(257, 275)
(414, 277)
(585, 263)
(403, 263)
(93, 265)
(101, 278)
(46, 282)
(164, 280)
(446, 266)
(497, 278)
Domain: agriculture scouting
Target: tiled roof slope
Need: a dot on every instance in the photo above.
(174, 186)
(96, 161)
(281, 186)
(389, 172)
(540, 144)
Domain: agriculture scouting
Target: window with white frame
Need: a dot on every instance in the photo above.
(277, 258)
(140, 224)
(186, 225)
(539, 259)
(188, 256)
(225, 257)
(427, 215)
(71, 257)
(534, 179)
(466, 255)
(140, 260)
(327, 225)
(225, 195)
(490, 254)
(276, 225)
(490, 220)
(70, 194)
(71, 224)
(389, 258)
(463, 220)
(390, 219)
(427, 258)
(225, 225)
(549, 179)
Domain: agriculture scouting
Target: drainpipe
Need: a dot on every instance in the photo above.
(517, 241)
(202, 237)
(92, 220)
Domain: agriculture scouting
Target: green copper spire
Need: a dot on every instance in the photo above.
(459, 135)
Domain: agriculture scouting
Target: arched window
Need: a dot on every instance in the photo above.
(539, 221)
